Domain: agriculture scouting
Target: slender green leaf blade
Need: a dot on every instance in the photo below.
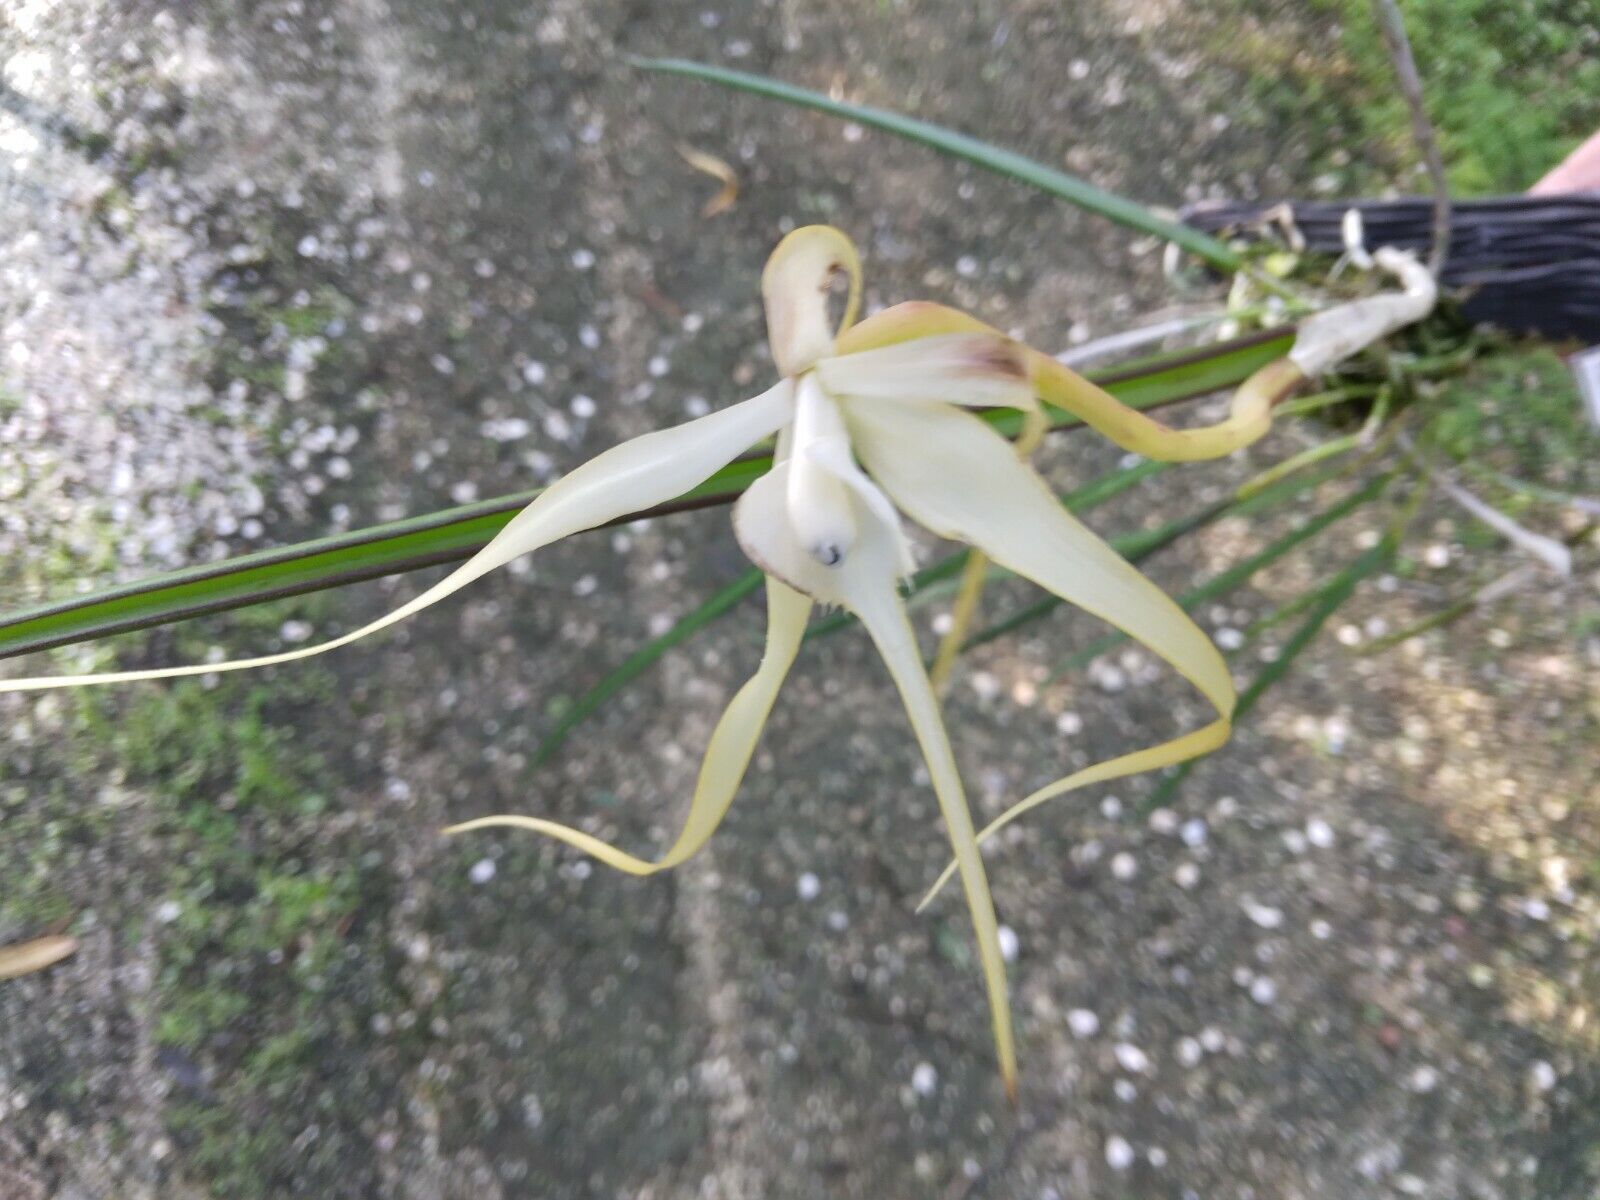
(959, 145)
(454, 534)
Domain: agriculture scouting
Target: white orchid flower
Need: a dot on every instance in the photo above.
(871, 423)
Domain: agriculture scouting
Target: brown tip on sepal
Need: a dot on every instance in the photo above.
(999, 358)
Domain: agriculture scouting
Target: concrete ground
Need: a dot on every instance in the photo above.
(284, 266)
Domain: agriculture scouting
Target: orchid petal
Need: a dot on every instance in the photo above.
(974, 370)
(795, 287)
(962, 480)
(636, 475)
(884, 617)
(864, 582)
(727, 756)
(1249, 417)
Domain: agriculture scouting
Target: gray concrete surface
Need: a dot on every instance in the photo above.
(278, 267)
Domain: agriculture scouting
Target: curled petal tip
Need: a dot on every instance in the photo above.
(795, 287)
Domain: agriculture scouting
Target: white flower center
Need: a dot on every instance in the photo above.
(818, 500)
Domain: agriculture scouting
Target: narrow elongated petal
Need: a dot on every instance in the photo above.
(885, 620)
(949, 471)
(973, 370)
(864, 582)
(1191, 745)
(1249, 416)
(727, 756)
(795, 287)
(636, 475)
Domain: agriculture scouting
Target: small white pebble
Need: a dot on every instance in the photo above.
(1263, 990)
(924, 1079)
(1111, 808)
(1108, 678)
(1321, 930)
(1543, 1076)
(464, 492)
(1007, 937)
(1189, 1051)
(1194, 832)
(1423, 1080)
(1319, 833)
(1069, 723)
(482, 871)
(168, 911)
(1157, 1156)
(658, 366)
(1131, 1058)
(838, 920)
(1125, 1091)
(583, 259)
(505, 429)
(534, 372)
(1187, 875)
(1212, 1040)
(1164, 821)
(294, 631)
(1264, 915)
(808, 886)
(1124, 866)
(1083, 1022)
(1119, 1155)
(583, 407)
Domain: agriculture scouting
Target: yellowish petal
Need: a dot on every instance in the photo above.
(636, 475)
(903, 322)
(727, 756)
(1191, 745)
(796, 285)
(884, 618)
(973, 370)
(865, 583)
(1249, 417)
(950, 472)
